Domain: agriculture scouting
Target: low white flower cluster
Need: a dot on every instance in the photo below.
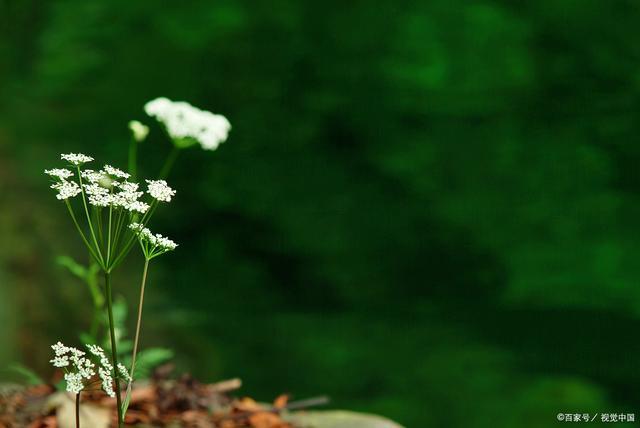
(79, 369)
(182, 120)
(108, 187)
(152, 244)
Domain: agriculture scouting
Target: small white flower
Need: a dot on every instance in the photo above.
(93, 177)
(105, 369)
(59, 349)
(154, 244)
(66, 189)
(99, 352)
(76, 158)
(128, 196)
(61, 173)
(78, 367)
(124, 374)
(138, 130)
(116, 172)
(74, 382)
(137, 206)
(60, 361)
(98, 195)
(158, 189)
(182, 120)
(164, 243)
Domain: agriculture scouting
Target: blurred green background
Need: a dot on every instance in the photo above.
(427, 210)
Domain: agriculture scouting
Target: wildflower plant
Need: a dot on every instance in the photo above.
(111, 211)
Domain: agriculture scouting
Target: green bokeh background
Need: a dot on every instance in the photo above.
(427, 210)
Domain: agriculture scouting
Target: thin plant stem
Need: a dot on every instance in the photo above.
(78, 410)
(134, 237)
(133, 158)
(98, 216)
(86, 242)
(168, 164)
(109, 235)
(114, 350)
(138, 324)
(86, 211)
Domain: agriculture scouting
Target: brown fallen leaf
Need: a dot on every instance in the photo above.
(266, 420)
(247, 404)
(91, 414)
(45, 422)
(281, 402)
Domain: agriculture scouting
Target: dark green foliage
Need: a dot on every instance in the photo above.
(425, 209)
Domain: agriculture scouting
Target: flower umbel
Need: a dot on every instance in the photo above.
(66, 189)
(153, 245)
(160, 190)
(61, 173)
(183, 121)
(80, 369)
(76, 158)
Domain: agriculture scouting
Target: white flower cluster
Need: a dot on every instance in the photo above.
(124, 374)
(154, 244)
(105, 369)
(108, 187)
(79, 369)
(108, 169)
(160, 190)
(61, 173)
(182, 120)
(66, 189)
(76, 158)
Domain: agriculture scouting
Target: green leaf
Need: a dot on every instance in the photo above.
(29, 376)
(87, 338)
(73, 267)
(149, 359)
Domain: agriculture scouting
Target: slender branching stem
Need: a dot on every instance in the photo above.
(109, 236)
(134, 237)
(168, 164)
(86, 211)
(114, 350)
(84, 238)
(119, 223)
(138, 324)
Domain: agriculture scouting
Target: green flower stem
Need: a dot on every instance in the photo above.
(168, 164)
(109, 236)
(97, 214)
(86, 211)
(134, 237)
(138, 324)
(121, 218)
(133, 158)
(114, 350)
(84, 238)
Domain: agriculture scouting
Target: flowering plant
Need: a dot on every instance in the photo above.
(111, 212)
